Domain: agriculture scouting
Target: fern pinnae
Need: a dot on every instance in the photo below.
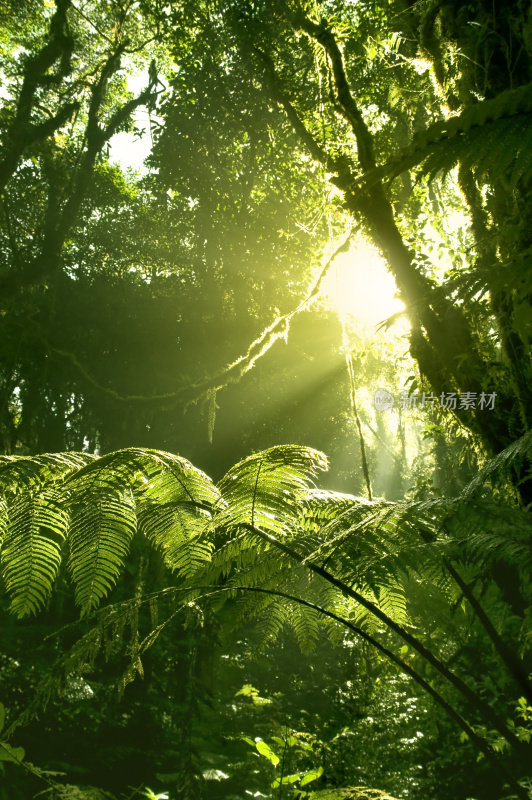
(176, 529)
(240, 547)
(340, 528)
(195, 485)
(503, 119)
(502, 461)
(284, 478)
(31, 550)
(254, 497)
(3, 519)
(305, 623)
(102, 528)
(19, 474)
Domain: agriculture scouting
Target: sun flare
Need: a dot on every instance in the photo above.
(358, 286)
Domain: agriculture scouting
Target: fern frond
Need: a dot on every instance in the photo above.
(341, 525)
(177, 529)
(491, 135)
(22, 473)
(270, 622)
(3, 520)
(320, 506)
(305, 623)
(238, 550)
(502, 461)
(36, 526)
(501, 146)
(484, 532)
(392, 601)
(101, 529)
(263, 490)
(154, 474)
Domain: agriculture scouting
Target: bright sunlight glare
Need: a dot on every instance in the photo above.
(359, 286)
(128, 150)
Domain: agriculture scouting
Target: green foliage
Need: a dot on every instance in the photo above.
(294, 748)
(261, 490)
(31, 549)
(490, 136)
(503, 461)
(124, 296)
(377, 547)
(256, 538)
(7, 751)
(96, 508)
(352, 793)
(93, 507)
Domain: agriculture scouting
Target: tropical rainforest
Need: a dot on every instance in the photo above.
(265, 399)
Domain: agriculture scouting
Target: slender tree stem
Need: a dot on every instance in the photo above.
(508, 657)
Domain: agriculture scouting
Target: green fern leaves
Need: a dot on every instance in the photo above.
(93, 507)
(264, 526)
(492, 137)
(101, 530)
(263, 490)
(35, 529)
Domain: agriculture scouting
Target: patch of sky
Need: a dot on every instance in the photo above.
(130, 150)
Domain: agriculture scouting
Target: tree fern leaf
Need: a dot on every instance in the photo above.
(321, 506)
(516, 450)
(31, 549)
(271, 622)
(174, 479)
(3, 519)
(177, 529)
(305, 623)
(392, 600)
(507, 116)
(101, 530)
(262, 490)
(21, 473)
(240, 549)
(153, 473)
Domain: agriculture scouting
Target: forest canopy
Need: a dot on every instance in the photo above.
(265, 399)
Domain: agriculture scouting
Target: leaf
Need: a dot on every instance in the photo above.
(32, 549)
(102, 528)
(20, 473)
(2, 717)
(501, 461)
(266, 751)
(311, 775)
(153, 474)
(491, 136)
(8, 753)
(249, 741)
(264, 489)
(286, 779)
(291, 741)
(178, 531)
(247, 690)
(278, 740)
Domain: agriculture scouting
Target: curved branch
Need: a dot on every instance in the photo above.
(475, 702)
(322, 34)
(21, 133)
(230, 374)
